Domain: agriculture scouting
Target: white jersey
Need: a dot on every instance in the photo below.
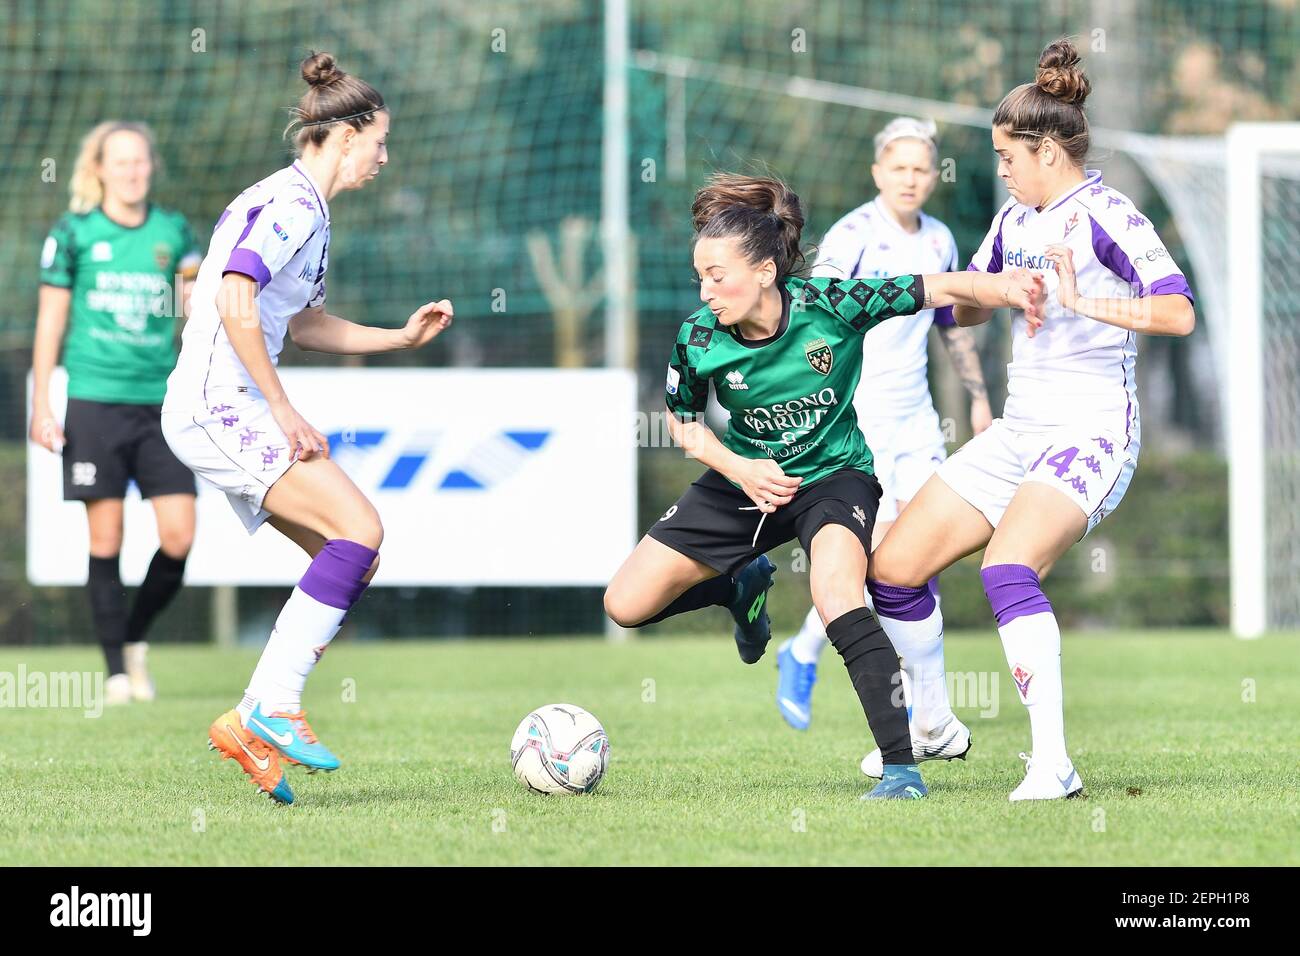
(869, 243)
(276, 232)
(1076, 370)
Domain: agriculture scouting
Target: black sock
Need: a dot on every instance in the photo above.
(157, 589)
(873, 668)
(714, 591)
(108, 604)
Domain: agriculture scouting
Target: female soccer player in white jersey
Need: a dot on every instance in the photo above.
(1062, 455)
(227, 417)
(890, 235)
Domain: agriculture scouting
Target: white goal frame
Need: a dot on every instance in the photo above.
(1246, 144)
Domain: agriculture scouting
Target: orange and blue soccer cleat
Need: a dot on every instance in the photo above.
(291, 735)
(230, 738)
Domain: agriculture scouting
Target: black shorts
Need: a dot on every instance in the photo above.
(109, 444)
(715, 523)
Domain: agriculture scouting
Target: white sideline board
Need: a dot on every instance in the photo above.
(481, 477)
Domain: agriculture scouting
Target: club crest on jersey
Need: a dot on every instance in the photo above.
(1069, 226)
(101, 252)
(162, 255)
(819, 356)
(1022, 676)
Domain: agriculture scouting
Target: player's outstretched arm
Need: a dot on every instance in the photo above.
(315, 330)
(760, 478)
(1171, 314)
(1015, 288)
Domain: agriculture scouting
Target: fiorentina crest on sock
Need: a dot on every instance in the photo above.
(1022, 675)
(319, 652)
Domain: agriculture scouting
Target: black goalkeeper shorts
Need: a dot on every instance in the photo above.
(715, 523)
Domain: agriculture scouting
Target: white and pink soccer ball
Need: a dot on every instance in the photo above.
(560, 748)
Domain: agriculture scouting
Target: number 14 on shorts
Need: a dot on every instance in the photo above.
(1061, 461)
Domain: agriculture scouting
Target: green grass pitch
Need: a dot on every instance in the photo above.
(1186, 744)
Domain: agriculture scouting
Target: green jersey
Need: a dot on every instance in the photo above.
(791, 395)
(120, 344)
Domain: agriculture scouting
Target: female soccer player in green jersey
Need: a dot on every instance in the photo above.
(784, 355)
(107, 273)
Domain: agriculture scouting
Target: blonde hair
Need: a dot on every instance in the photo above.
(907, 127)
(87, 189)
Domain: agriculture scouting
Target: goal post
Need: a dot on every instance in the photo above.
(1263, 437)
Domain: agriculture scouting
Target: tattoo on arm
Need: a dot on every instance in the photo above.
(965, 359)
(929, 299)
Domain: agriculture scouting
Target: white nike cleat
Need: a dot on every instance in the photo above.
(137, 669)
(951, 742)
(117, 690)
(1046, 782)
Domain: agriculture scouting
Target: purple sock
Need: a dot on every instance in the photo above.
(336, 576)
(1014, 591)
(901, 603)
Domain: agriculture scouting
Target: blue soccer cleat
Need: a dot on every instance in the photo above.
(794, 687)
(293, 738)
(901, 782)
(749, 608)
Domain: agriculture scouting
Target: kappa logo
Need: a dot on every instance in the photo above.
(736, 380)
(819, 356)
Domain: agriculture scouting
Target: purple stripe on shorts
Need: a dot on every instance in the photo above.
(335, 576)
(1014, 591)
(901, 603)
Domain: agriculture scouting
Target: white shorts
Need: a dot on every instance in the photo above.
(236, 445)
(1090, 466)
(907, 452)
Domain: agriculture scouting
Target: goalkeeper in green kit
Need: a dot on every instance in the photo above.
(784, 355)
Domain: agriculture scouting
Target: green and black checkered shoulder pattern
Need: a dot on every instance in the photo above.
(862, 303)
(688, 393)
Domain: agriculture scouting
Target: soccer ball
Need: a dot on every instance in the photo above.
(559, 748)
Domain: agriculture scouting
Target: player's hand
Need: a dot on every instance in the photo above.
(1067, 291)
(426, 322)
(766, 484)
(304, 441)
(1024, 291)
(46, 432)
(981, 415)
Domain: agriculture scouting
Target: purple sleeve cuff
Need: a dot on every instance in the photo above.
(1172, 285)
(944, 318)
(248, 263)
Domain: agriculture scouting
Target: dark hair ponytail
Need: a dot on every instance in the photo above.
(333, 97)
(761, 210)
(1052, 105)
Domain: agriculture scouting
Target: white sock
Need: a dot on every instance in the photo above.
(920, 645)
(811, 640)
(1033, 647)
(303, 630)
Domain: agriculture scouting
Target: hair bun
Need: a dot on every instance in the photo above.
(318, 69)
(1060, 75)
